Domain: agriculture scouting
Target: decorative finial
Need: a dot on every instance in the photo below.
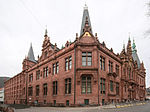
(95, 34)
(129, 36)
(76, 34)
(31, 44)
(46, 31)
(123, 46)
(85, 7)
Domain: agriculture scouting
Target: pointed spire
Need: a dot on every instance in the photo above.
(31, 54)
(85, 20)
(129, 48)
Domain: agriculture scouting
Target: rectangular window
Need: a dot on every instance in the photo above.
(89, 85)
(44, 101)
(103, 101)
(102, 86)
(67, 102)
(54, 102)
(86, 85)
(102, 63)
(110, 66)
(89, 59)
(117, 69)
(31, 77)
(86, 101)
(117, 88)
(30, 91)
(66, 64)
(70, 62)
(86, 59)
(45, 72)
(54, 87)
(83, 85)
(111, 86)
(68, 86)
(38, 75)
(53, 69)
(37, 90)
(57, 68)
(45, 89)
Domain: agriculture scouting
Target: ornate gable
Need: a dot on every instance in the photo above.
(47, 47)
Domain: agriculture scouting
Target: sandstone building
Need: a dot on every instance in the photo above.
(83, 72)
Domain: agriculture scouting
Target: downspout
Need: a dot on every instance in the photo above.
(75, 75)
(26, 86)
(98, 75)
(122, 84)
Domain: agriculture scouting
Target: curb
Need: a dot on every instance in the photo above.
(130, 105)
(123, 106)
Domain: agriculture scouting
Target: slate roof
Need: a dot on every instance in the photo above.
(31, 54)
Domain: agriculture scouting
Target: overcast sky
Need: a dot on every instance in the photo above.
(24, 21)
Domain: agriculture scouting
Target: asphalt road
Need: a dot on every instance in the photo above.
(138, 108)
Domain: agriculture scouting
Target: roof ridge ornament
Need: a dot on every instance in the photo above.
(46, 32)
(85, 7)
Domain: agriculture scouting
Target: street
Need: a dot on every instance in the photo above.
(135, 108)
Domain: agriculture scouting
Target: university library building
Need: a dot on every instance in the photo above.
(84, 72)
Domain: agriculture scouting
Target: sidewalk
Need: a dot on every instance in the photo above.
(121, 105)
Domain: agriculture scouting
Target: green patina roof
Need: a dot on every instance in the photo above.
(135, 55)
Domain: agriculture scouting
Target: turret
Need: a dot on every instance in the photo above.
(129, 48)
(29, 60)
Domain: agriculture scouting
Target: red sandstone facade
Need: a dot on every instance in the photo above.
(83, 72)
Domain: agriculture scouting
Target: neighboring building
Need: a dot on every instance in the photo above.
(1, 95)
(2, 80)
(148, 93)
(83, 72)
